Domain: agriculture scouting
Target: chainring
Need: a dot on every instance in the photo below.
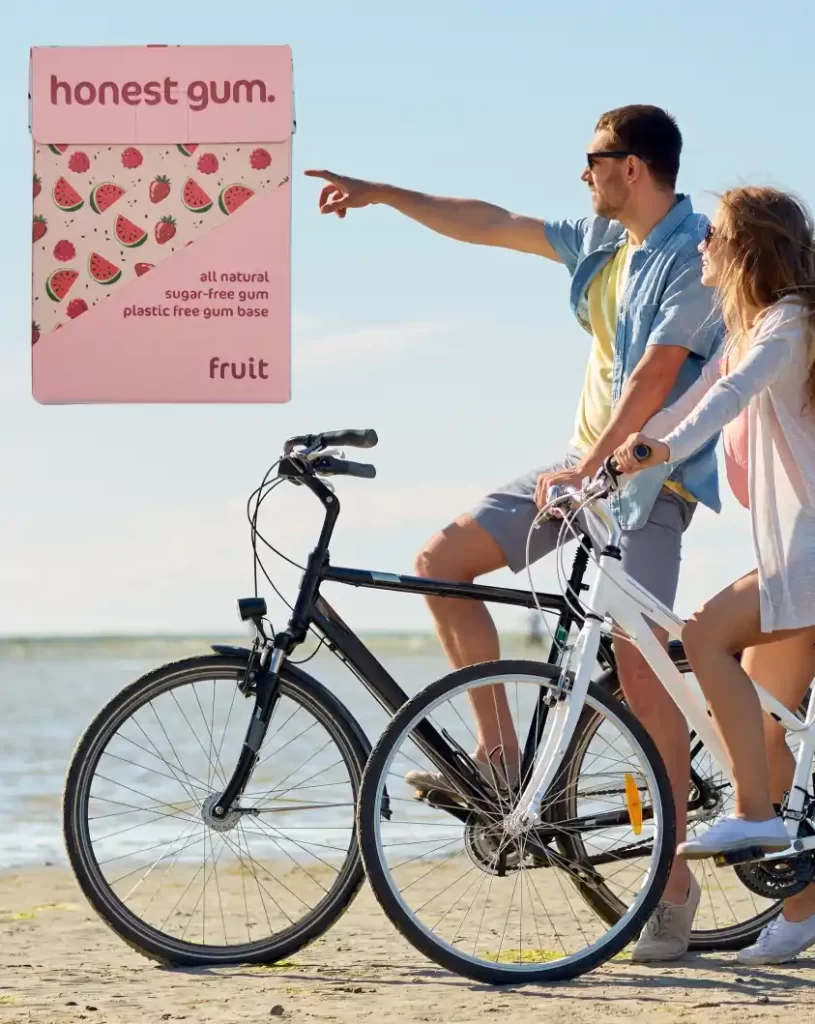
(780, 879)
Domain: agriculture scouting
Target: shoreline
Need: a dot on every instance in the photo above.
(60, 963)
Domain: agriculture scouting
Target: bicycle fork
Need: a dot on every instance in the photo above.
(570, 698)
(266, 696)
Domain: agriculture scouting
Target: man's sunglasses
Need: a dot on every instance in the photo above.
(616, 154)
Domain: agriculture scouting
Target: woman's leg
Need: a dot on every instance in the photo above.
(785, 669)
(725, 625)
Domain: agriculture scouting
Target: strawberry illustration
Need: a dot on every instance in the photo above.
(79, 162)
(142, 268)
(165, 230)
(35, 333)
(75, 307)
(260, 159)
(208, 163)
(131, 158)
(159, 188)
(64, 251)
(40, 227)
(37, 186)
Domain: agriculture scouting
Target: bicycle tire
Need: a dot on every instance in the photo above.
(142, 937)
(368, 823)
(607, 906)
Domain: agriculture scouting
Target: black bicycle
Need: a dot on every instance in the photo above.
(209, 808)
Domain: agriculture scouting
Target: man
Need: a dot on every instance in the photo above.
(636, 289)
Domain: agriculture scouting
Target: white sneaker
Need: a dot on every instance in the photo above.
(728, 833)
(666, 935)
(780, 941)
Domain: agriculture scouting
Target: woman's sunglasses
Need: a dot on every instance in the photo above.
(711, 231)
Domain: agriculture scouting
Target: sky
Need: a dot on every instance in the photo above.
(466, 360)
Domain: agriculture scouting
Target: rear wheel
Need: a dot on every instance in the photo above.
(181, 886)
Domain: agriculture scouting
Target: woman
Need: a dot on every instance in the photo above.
(760, 388)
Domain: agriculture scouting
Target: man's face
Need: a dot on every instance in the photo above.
(606, 177)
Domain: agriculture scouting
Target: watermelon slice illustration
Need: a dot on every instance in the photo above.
(105, 195)
(60, 283)
(103, 271)
(57, 147)
(129, 234)
(187, 148)
(194, 197)
(66, 197)
(233, 197)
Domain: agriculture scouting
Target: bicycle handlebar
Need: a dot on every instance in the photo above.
(333, 438)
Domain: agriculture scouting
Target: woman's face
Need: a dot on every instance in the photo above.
(712, 249)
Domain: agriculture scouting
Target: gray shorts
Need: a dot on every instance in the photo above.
(651, 555)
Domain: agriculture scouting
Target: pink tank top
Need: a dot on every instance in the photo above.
(735, 441)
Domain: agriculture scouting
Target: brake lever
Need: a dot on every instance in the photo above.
(327, 453)
(609, 468)
(557, 493)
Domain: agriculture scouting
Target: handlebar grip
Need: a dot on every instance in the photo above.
(350, 438)
(341, 467)
(333, 438)
(642, 452)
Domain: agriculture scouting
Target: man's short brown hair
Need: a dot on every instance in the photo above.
(651, 134)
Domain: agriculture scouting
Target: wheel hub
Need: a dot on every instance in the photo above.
(486, 843)
(224, 824)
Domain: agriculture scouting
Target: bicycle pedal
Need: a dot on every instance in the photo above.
(743, 856)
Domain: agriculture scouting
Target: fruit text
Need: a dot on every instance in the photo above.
(218, 368)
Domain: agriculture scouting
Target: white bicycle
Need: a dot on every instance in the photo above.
(548, 862)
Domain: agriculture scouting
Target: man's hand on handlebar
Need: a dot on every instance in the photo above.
(640, 452)
(559, 478)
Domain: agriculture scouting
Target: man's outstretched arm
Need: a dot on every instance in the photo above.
(466, 220)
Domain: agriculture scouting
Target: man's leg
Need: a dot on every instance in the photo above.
(492, 537)
(651, 556)
(666, 725)
(463, 552)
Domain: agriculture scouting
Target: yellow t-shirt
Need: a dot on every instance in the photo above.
(594, 410)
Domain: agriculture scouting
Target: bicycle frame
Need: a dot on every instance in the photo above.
(311, 610)
(615, 595)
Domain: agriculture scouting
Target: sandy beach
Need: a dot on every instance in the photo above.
(60, 963)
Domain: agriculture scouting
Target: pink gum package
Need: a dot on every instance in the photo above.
(162, 224)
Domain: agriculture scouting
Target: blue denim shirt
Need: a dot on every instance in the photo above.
(664, 303)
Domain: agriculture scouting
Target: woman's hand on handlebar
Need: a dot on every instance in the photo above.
(640, 452)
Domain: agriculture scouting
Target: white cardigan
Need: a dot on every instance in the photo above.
(771, 377)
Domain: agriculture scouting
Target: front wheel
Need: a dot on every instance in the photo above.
(471, 894)
(178, 884)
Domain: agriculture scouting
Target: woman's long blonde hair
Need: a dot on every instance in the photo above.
(769, 255)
